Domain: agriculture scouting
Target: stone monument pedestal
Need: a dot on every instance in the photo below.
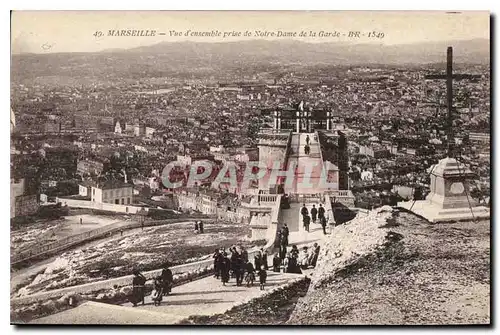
(450, 198)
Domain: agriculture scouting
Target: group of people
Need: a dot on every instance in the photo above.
(236, 266)
(294, 261)
(239, 266)
(162, 286)
(316, 214)
(291, 261)
(198, 227)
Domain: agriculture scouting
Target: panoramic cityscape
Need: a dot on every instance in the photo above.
(252, 182)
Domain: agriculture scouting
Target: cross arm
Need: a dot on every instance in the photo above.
(458, 76)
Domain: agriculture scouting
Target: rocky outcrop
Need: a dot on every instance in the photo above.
(394, 268)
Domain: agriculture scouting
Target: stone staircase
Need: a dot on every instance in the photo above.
(309, 165)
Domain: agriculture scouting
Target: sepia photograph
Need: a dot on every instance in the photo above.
(249, 168)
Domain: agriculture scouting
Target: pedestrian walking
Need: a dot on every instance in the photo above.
(225, 268)
(307, 139)
(262, 277)
(240, 270)
(167, 278)
(314, 213)
(307, 222)
(201, 227)
(323, 224)
(321, 211)
(158, 291)
(285, 233)
(276, 263)
(250, 274)
(237, 266)
(304, 211)
(258, 260)
(244, 254)
(279, 239)
(264, 259)
(138, 283)
(217, 256)
(196, 226)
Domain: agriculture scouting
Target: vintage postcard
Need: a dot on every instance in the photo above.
(250, 168)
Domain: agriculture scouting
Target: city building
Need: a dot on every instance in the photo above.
(21, 204)
(113, 192)
(90, 167)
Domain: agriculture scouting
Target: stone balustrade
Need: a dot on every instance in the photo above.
(267, 198)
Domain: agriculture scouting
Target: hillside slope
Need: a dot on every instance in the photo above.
(417, 273)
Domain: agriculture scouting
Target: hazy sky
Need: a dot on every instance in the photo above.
(72, 31)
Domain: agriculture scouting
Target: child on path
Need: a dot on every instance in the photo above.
(262, 277)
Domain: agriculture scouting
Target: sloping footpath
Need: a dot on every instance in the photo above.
(204, 297)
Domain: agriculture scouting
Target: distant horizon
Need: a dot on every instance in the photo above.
(250, 41)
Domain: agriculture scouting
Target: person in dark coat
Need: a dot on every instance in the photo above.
(158, 291)
(258, 260)
(225, 268)
(217, 256)
(262, 277)
(279, 239)
(314, 259)
(244, 255)
(138, 283)
(307, 139)
(321, 211)
(264, 259)
(295, 251)
(201, 227)
(196, 226)
(323, 224)
(232, 258)
(284, 233)
(293, 266)
(314, 213)
(304, 211)
(250, 274)
(167, 279)
(237, 266)
(276, 263)
(240, 270)
(307, 222)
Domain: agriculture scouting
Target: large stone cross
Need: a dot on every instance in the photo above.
(449, 93)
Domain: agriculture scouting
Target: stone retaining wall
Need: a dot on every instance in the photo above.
(46, 250)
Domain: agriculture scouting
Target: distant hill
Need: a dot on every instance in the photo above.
(168, 58)
(291, 51)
